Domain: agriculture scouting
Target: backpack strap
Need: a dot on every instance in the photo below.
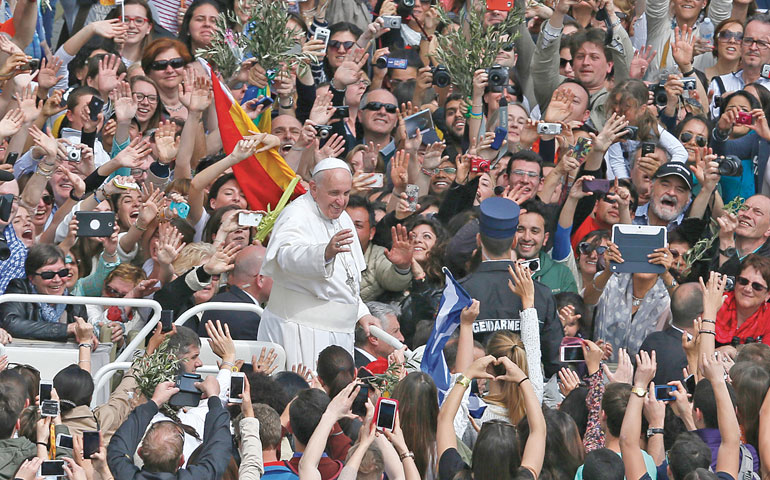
(746, 470)
(290, 467)
(721, 85)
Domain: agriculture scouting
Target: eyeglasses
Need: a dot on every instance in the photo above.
(137, 172)
(446, 170)
(364, 83)
(608, 200)
(756, 286)
(140, 97)
(586, 248)
(749, 41)
(336, 44)
(47, 199)
(374, 106)
(160, 65)
(700, 140)
(737, 340)
(139, 21)
(63, 273)
(111, 292)
(727, 36)
(563, 62)
(524, 173)
(508, 47)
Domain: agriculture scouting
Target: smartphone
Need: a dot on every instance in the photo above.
(359, 404)
(64, 441)
(188, 395)
(249, 219)
(95, 224)
(599, 185)
(95, 107)
(379, 180)
(572, 353)
(45, 390)
(533, 264)
(166, 320)
(51, 468)
(122, 9)
(500, 5)
(412, 192)
(648, 148)
(91, 441)
(422, 121)
(501, 133)
(236, 387)
(49, 408)
(663, 393)
(182, 209)
(581, 149)
(125, 185)
(322, 34)
(689, 384)
(11, 157)
(385, 414)
(265, 101)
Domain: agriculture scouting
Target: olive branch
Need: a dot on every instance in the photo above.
(704, 245)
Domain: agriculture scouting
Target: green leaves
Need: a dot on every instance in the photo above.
(473, 45)
(158, 367)
(704, 245)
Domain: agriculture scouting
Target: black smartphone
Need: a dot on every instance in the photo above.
(11, 157)
(95, 107)
(95, 224)
(166, 320)
(6, 206)
(51, 468)
(648, 148)
(359, 404)
(91, 442)
(663, 393)
(599, 185)
(188, 395)
(689, 384)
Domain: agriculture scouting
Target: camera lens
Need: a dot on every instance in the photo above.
(730, 166)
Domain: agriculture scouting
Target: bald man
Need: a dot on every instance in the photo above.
(315, 260)
(245, 285)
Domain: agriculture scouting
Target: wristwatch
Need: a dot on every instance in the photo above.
(654, 431)
(639, 392)
(464, 381)
(728, 252)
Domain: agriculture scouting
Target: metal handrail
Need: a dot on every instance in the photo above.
(237, 306)
(105, 302)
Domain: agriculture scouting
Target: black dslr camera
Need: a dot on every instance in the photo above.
(441, 77)
(659, 94)
(497, 76)
(405, 8)
(730, 166)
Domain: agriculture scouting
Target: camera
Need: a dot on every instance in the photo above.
(659, 94)
(392, 22)
(390, 62)
(548, 128)
(498, 76)
(322, 131)
(729, 283)
(743, 118)
(765, 71)
(405, 8)
(73, 154)
(633, 132)
(479, 165)
(441, 77)
(689, 83)
(730, 166)
(341, 112)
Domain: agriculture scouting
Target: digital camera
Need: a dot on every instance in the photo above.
(497, 76)
(322, 131)
(441, 77)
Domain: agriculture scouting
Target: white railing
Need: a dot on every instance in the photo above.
(236, 306)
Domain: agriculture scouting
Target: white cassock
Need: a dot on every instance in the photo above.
(313, 304)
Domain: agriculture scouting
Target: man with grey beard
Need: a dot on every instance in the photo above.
(671, 193)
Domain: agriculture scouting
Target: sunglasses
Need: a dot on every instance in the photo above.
(508, 47)
(446, 170)
(586, 248)
(47, 199)
(726, 35)
(700, 140)
(563, 62)
(336, 44)
(737, 340)
(175, 63)
(113, 293)
(675, 253)
(374, 106)
(756, 286)
(63, 273)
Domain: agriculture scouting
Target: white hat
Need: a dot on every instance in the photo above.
(330, 163)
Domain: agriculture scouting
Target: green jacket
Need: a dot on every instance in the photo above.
(13, 452)
(554, 275)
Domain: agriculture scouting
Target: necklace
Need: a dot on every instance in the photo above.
(636, 301)
(350, 279)
(174, 109)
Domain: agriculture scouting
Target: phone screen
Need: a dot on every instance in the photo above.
(45, 391)
(386, 415)
(663, 392)
(359, 404)
(572, 353)
(236, 386)
(65, 441)
(49, 408)
(90, 443)
(166, 320)
(689, 384)
(52, 468)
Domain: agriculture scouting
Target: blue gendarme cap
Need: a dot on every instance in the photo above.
(499, 217)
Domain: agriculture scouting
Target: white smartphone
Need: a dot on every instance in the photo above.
(249, 219)
(236, 387)
(51, 468)
(386, 413)
(46, 386)
(322, 33)
(378, 180)
(63, 440)
(572, 354)
(125, 185)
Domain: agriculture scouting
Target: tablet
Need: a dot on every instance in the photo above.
(635, 242)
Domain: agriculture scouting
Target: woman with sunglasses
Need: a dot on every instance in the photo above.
(41, 212)
(728, 35)
(745, 314)
(164, 61)
(46, 275)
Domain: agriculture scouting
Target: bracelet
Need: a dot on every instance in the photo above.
(141, 229)
(286, 107)
(109, 255)
(44, 173)
(86, 345)
(406, 455)
(229, 364)
(84, 361)
(518, 384)
(44, 444)
(475, 115)
(593, 284)
(708, 321)
(708, 331)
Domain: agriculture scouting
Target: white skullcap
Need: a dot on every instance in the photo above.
(330, 163)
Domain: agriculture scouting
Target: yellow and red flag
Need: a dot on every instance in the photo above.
(262, 177)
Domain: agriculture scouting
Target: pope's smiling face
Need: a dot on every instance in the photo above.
(331, 191)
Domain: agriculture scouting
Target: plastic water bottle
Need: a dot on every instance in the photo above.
(706, 30)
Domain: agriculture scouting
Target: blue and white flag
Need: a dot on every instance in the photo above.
(453, 301)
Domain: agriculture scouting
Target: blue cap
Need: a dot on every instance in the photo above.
(499, 217)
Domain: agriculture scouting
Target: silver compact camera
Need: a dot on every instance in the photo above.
(765, 71)
(392, 22)
(548, 128)
(689, 83)
(73, 154)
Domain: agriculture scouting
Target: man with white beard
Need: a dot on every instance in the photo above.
(671, 194)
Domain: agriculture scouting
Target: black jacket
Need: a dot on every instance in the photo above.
(216, 449)
(500, 309)
(671, 357)
(243, 325)
(178, 296)
(22, 320)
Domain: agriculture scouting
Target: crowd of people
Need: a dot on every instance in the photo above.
(577, 357)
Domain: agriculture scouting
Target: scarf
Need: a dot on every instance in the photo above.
(755, 326)
(50, 313)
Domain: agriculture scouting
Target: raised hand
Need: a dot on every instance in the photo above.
(612, 131)
(624, 373)
(568, 381)
(11, 123)
(646, 366)
(27, 100)
(322, 110)
(167, 142)
(267, 140)
(399, 170)
(108, 78)
(713, 294)
(264, 364)
(134, 154)
(52, 104)
(349, 71)
(334, 147)
(163, 393)
(513, 373)
(560, 107)
(220, 341)
(199, 96)
(13, 64)
(641, 61)
(45, 141)
(48, 76)
(170, 243)
(244, 149)
(522, 285)
(400, 253)
(123, 102)
(339, 243)
(222, 260)
(109, 28)
(661, 256)
(683, 46)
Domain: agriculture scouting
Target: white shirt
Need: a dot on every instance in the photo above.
(732, 82)
(616, 162)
